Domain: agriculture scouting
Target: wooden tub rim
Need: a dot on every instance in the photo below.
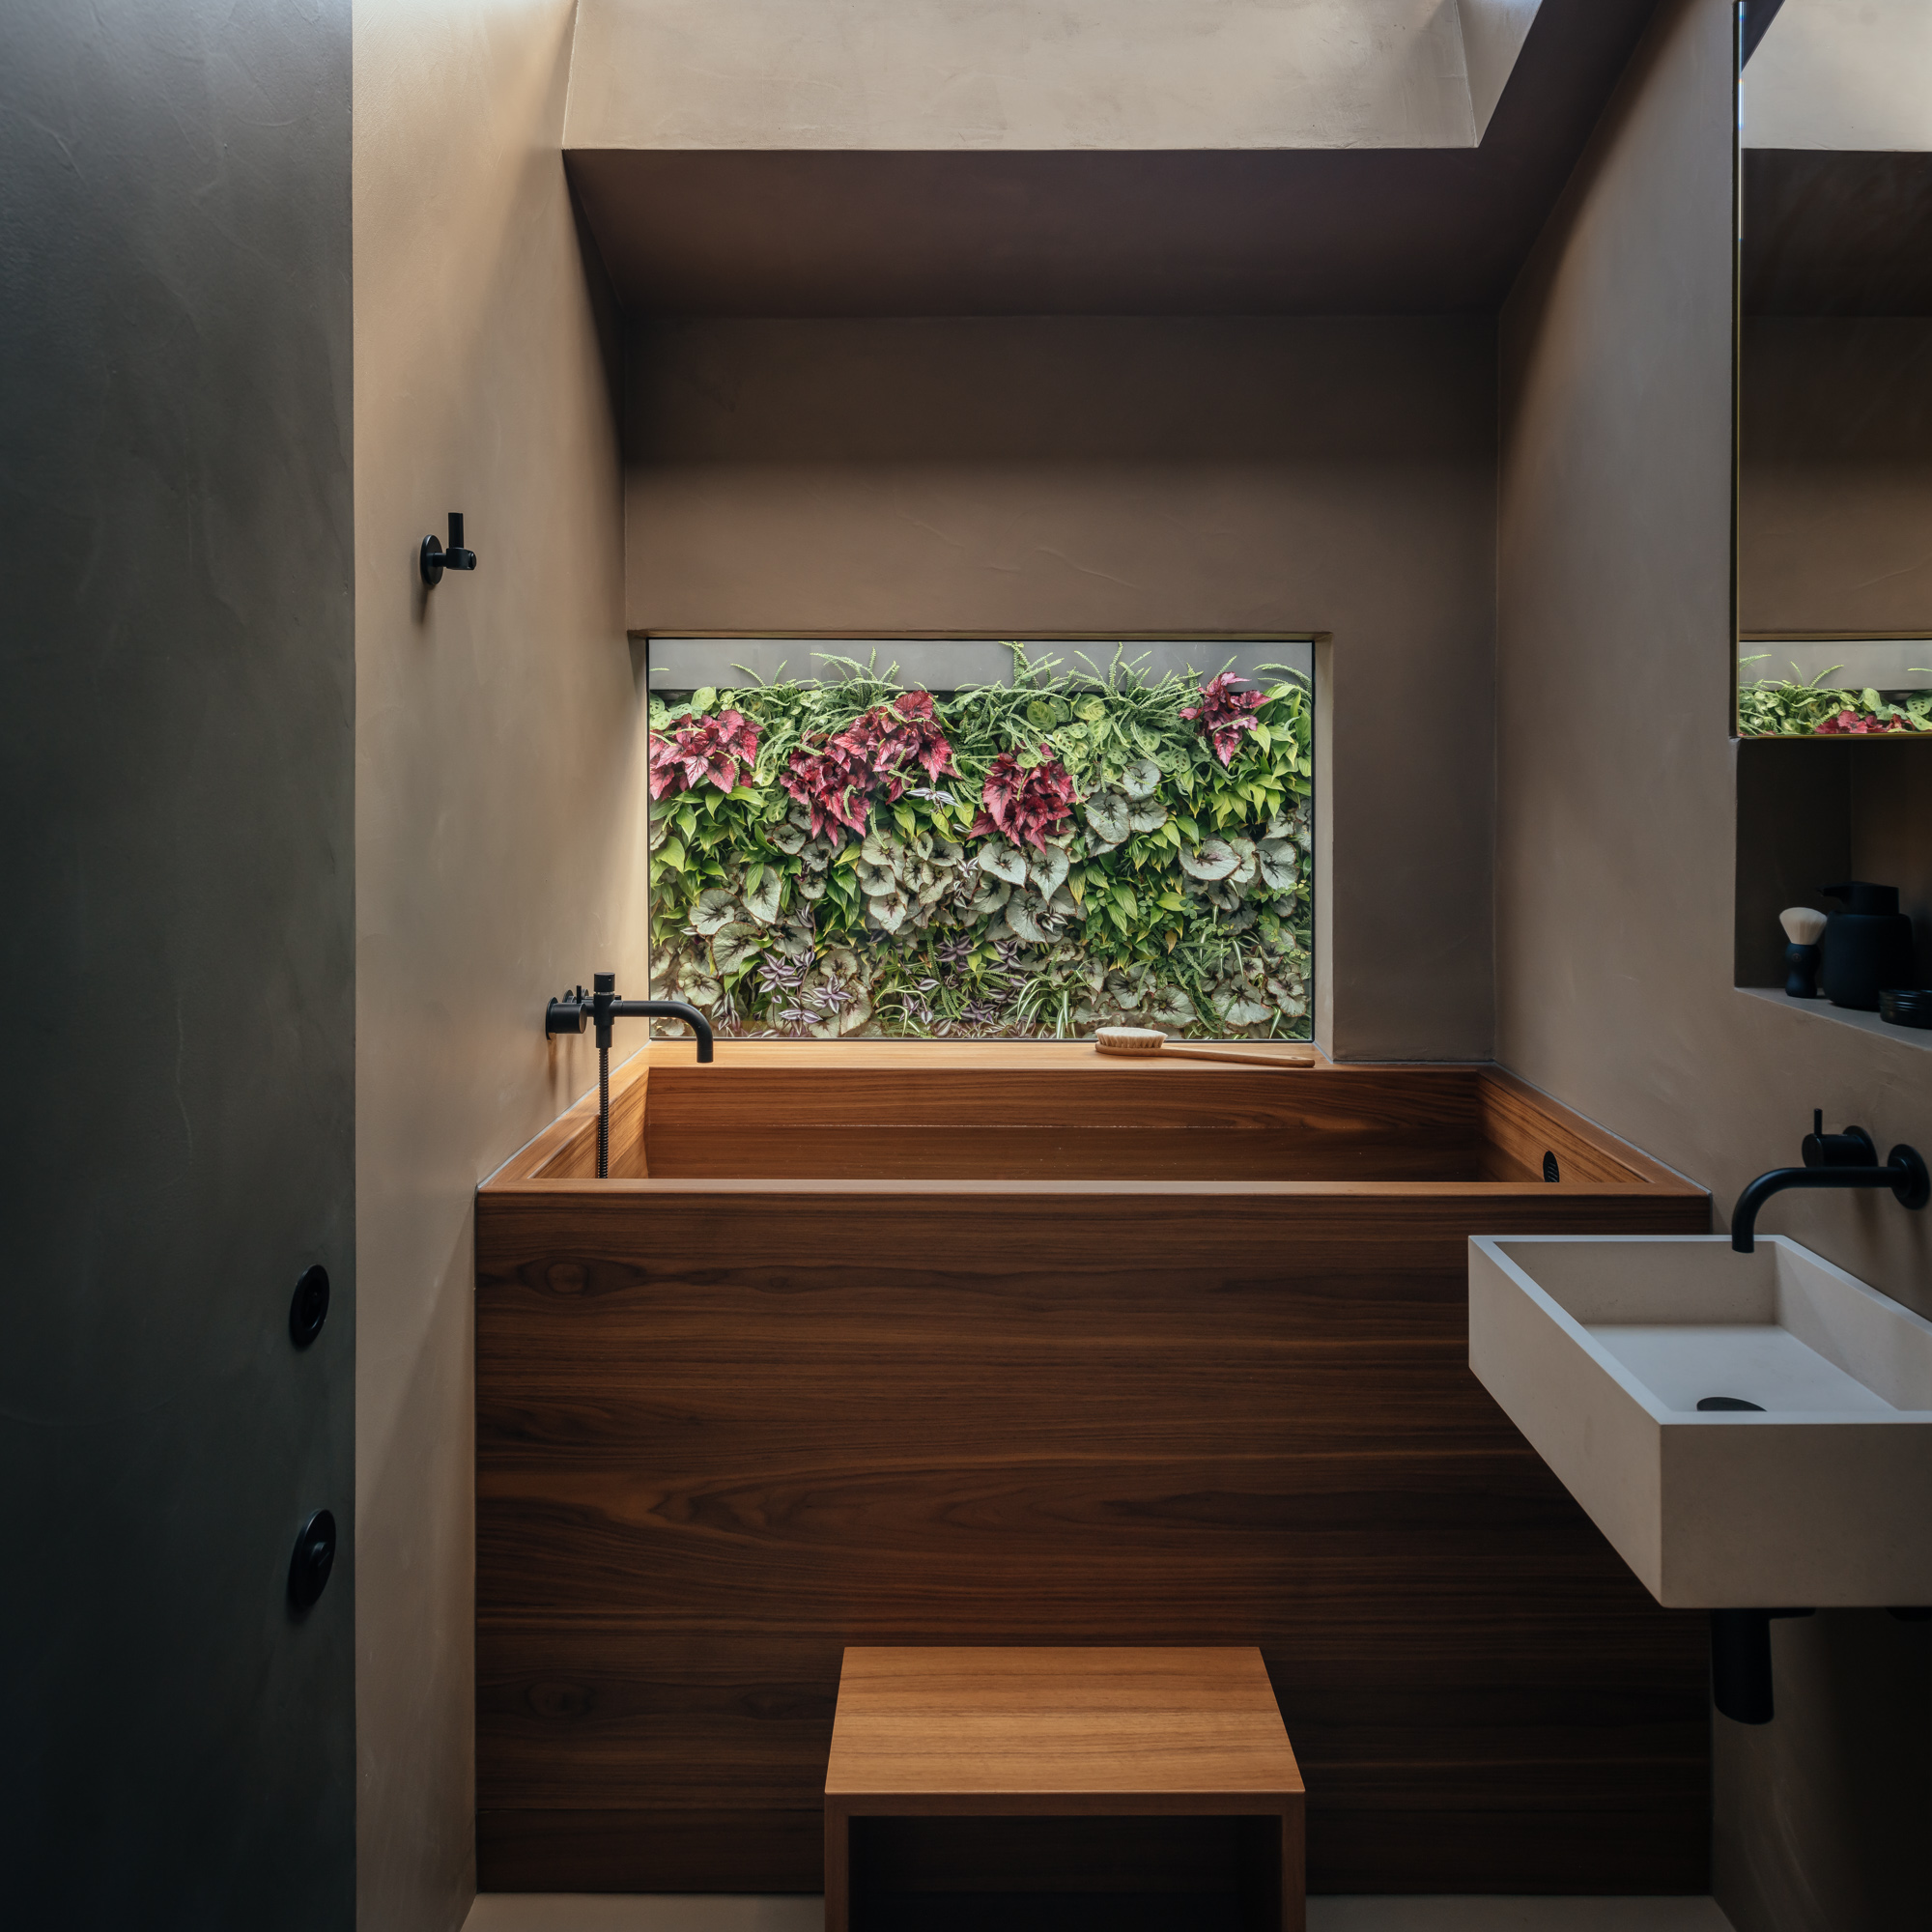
(523, 1172)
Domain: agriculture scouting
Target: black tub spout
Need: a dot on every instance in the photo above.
(598, 1009)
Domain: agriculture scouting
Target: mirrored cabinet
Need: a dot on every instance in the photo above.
(1834, 463)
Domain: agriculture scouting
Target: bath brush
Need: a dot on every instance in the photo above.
(1145, 1043)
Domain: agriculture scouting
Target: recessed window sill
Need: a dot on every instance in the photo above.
(1823, 1009)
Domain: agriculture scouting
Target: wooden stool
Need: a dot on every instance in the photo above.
(1100, 1736)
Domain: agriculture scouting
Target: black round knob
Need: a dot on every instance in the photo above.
(309, 1309)
(313, 1559)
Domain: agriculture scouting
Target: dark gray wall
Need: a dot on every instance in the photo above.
(176, 758)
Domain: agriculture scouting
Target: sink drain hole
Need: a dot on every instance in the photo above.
(1730, 1402)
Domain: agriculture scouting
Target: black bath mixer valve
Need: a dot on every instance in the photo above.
(434, 559)
(597, 1010)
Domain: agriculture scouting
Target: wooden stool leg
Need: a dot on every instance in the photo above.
(837, 1869)
(1294, 1869)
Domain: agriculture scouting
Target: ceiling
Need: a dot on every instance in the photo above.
(828, 230)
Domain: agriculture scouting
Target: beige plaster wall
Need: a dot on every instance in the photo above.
(498, 817)
(1615, 856)
(895, 74)
(1036, 475)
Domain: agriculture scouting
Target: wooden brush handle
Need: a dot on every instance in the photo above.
(1297, 1057)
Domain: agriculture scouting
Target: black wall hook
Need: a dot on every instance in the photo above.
(434, 559)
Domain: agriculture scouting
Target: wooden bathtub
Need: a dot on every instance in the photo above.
(961, 1344)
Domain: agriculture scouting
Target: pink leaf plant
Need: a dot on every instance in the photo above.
(703, 750)
(1858, 725)
(1224, 714)
(1024, 804)
(892, 736)
(836, 779)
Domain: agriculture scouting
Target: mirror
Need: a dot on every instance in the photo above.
(1834, 402)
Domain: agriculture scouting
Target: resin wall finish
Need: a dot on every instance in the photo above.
(176, 789)
(1834, 503)
(496, 816)
(1115, 474)
(1615, 844)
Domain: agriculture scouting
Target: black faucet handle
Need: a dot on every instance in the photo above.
(1854, 1148)
(433, 560)
(566, 1015)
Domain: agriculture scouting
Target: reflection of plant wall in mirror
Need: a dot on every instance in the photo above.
(1782, 707)
(1029, 861)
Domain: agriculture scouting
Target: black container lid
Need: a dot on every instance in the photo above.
(1907, 1005)
(1860, 896)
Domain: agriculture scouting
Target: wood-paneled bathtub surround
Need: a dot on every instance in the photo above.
(904, 1345)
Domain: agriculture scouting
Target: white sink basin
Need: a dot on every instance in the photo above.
(1599, 1349)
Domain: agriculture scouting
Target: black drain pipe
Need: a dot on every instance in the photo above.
(1741, 1662)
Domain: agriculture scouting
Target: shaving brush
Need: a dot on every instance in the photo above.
(1804, 927)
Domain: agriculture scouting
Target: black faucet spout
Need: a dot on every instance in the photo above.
(667, 1010)
(1903, 1173)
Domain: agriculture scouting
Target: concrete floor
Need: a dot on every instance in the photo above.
(583, 1911)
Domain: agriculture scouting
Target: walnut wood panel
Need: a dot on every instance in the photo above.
(609, 1849)
(1136, 1121)
(906, 1110)
(725, 1428)
(1522, 1126)
(867, 1151)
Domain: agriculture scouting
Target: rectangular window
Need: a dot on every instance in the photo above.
(977, 841)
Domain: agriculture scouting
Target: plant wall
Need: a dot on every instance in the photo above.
(1783, 707)
(846, 858)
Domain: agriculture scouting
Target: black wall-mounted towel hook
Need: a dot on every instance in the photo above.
(436, 559)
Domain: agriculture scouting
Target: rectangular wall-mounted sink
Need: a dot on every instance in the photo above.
(1600, 1349)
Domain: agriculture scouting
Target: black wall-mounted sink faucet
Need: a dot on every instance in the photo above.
(1849, 1159)
(597, 1010)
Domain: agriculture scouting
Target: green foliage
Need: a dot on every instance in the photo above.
(1779, 707)
(1177, 896)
